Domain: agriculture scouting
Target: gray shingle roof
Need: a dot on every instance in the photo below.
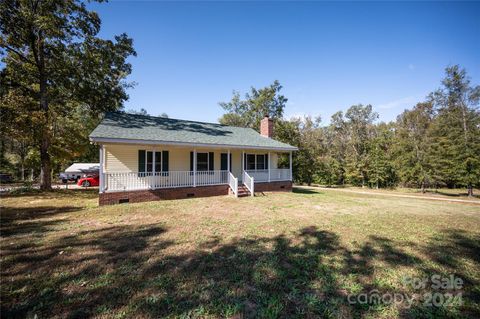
(124, 127)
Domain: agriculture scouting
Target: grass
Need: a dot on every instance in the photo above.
(460, 193)
(299, 254)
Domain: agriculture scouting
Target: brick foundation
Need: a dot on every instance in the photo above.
(161, 194)
(285, 186)
(183, 192)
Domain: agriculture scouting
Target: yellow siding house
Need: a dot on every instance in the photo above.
(150, 158)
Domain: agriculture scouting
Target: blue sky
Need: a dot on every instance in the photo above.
(328, 56)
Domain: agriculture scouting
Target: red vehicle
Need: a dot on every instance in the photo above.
(89, 181)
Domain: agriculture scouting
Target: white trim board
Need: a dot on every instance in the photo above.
(221, 146)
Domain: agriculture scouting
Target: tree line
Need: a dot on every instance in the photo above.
(434, 144)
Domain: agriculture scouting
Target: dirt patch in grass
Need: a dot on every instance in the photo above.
(300, 254)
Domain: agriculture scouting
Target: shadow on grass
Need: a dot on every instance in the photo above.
(439, 192)
(307, 191)
(56, 193)
(30, 221)
(78, 274)
(127, 270)
(458, 253)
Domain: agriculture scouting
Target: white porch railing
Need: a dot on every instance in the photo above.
(249, 182)
(276, 174)
(171, 179)
(127, 181)
(233, 183)
(212, 177)
(259, 175)
(280, 174)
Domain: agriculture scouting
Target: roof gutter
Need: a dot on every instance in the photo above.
(103, 140)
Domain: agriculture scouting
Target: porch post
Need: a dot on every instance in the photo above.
(152, 179)
(268, 163)
(101, 171)
(243, 164)
(194, 167)
(228, 161)
(291, 176)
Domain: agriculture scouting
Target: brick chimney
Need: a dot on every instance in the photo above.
(266, 127)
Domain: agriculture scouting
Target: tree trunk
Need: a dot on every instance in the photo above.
(46, 169)
(470, 190)
(45, 160)
(423, 187)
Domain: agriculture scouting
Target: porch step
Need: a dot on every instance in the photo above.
(243, 191)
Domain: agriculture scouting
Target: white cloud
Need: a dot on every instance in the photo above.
(406, 101)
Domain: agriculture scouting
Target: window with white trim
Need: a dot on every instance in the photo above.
(202, 161)
(256, 162)
(146, 162)
(149, 163)
(261, 161)
(251, 162)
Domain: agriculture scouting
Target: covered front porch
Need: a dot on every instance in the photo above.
(131, 168)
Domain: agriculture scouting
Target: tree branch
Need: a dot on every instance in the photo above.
(19, 54)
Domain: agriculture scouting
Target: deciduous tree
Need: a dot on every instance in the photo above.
(359, 124)
(456, 129)
(413, 146)
(257, 103)
(381, 169)
(55, 62)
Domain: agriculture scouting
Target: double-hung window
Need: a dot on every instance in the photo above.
(256, 162)
(150, 161)
(251, 162)
(224, 159)
(261, 162)
(147, 163)
(202, 161)
(205, 161)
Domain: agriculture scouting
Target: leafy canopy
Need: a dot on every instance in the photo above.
(57, 72)
(257, 103)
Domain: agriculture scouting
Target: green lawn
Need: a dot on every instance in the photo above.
(300, 254)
